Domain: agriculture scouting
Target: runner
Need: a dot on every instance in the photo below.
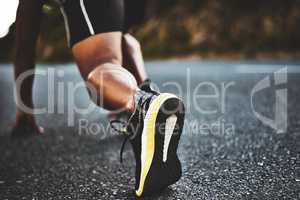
(97, 33)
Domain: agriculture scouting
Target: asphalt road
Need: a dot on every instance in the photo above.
(78, 158)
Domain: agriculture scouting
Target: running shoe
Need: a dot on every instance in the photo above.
(154, 131)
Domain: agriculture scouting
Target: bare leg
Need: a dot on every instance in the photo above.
(99, 59)
(132, 61)
(133, 58)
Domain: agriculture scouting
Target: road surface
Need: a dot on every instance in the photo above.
(227, 150)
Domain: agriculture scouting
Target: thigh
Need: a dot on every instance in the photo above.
(98, 49)
(94, 30)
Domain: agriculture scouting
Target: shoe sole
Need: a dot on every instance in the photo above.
(160, 166)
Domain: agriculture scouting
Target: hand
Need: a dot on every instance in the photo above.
(26, 126)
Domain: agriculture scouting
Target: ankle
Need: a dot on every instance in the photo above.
(130, 106)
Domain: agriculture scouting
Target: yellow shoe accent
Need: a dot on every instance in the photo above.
(148, 138)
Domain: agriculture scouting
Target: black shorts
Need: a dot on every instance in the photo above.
(84, 18)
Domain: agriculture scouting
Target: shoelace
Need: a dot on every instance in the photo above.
(124, 129)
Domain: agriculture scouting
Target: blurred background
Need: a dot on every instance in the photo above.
(193, 28)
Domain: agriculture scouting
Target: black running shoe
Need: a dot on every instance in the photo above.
(154, 131)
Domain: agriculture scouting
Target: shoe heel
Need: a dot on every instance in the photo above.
(164, 173)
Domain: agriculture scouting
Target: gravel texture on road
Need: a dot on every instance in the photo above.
(247, 160)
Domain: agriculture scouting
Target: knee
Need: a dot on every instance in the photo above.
(100, 72)
(96, 79)
(108, 71)
(91, 82)
(131, 44)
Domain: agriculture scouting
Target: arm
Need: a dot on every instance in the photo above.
(27, 29)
